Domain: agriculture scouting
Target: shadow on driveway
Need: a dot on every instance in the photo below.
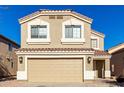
(114, 83)
(111, 83)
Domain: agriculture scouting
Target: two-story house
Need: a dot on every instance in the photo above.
(8, 58)
(60, 46)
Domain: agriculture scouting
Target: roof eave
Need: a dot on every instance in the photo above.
(98, 33)
(116, 48)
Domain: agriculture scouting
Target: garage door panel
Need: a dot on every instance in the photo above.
(55, 70)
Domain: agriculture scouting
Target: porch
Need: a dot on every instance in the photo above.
(101, 66)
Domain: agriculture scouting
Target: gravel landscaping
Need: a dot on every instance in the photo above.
(96, 83)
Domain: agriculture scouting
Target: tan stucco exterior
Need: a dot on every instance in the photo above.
(89, 66)
(117, 61)
(55, 34)
(8, 58)
(21, 66)
(107, 64)
(100, 40)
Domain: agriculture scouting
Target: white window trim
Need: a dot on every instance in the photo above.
(40, 40)
(98, 47)
(73, 21)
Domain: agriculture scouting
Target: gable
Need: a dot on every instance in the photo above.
(53, 12)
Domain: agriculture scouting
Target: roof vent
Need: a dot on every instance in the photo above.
(59, 17)
(52, 17)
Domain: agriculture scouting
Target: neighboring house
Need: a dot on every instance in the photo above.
(60, 46)
(8, 59)
(117, 60)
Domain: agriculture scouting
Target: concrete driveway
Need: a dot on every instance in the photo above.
(96, 83)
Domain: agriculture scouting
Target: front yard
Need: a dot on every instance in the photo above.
(96, 83)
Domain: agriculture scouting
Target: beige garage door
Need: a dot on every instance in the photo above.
(55, 70)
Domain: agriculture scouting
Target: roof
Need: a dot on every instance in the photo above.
(101, 53)
(7, 39)
(96, 52)
(116, 48)
(98, 33)
(54, 12)
(53, 49)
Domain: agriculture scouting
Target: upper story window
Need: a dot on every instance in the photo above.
(94, 43)
(73, 31)
(38, 31)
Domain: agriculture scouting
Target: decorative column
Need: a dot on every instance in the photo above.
(107, 68)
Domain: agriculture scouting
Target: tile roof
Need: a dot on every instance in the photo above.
(82, 16)
(55, 12)
(101, 53)
(54, 49)
(96, 52)
(116, 48)
(9, 40)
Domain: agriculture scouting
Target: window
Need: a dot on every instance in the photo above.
(10, 47)
(73, 31)
(38, 31)
(94, 43)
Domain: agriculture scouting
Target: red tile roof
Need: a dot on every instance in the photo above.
(54, 49)
(96, 52)
(101, 53)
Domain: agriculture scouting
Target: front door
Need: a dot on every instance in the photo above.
(100, 68)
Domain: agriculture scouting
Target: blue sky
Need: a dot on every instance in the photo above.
(106, 19)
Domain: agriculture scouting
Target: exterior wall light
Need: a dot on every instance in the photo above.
(21, 60)
(89, 59)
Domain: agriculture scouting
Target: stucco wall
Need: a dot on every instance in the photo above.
(21, 66)
(89, 66)
(5, 65)
(117, 60)
(101, 41)
(55, 34)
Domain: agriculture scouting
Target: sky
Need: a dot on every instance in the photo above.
(106, 19)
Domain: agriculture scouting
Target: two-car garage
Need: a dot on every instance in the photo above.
(55, 70)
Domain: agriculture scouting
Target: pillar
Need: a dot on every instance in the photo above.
(107, 68)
